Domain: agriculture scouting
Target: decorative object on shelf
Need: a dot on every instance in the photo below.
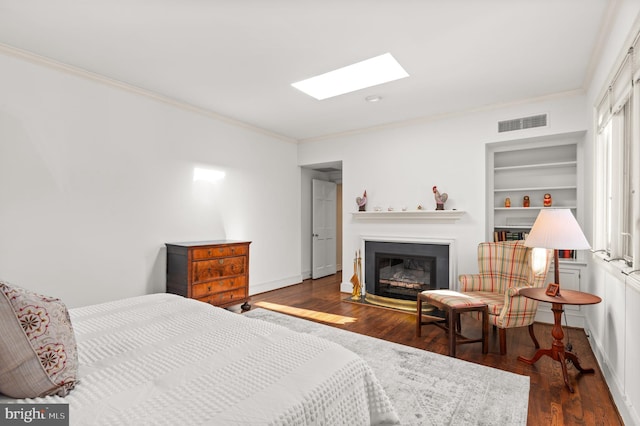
(377, 208)
(404, 208)
(355, 279)
(419, 207)
(440, 198)
(557, 229)
(547, 200)
(390, 208)
(362, 202)
(507, 202)
(552, 289)
(525, 201)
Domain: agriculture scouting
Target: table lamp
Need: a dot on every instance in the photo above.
(556, 229)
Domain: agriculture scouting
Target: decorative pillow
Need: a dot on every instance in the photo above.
(38, 355)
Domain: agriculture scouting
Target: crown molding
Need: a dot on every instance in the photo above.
(99, 78)
(447, 115)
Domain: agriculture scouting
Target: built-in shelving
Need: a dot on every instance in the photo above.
(531, 167)
(538, 166)
(536, 188)
(535, 167)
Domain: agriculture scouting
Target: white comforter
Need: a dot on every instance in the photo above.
(163, 359)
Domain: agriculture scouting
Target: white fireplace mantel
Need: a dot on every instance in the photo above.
(447, 216)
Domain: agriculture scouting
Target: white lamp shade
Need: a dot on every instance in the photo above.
(557, 229)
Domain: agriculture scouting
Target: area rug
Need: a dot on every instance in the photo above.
(428, 388)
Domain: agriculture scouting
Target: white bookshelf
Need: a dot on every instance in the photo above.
(533, 167)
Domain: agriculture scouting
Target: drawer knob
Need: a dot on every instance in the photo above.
(209, 288)
(221, 261)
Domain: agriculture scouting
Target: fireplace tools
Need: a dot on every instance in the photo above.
(357, 275)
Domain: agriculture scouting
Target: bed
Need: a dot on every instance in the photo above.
(164, 359)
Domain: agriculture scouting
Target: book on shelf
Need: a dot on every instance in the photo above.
(566, 254)
(515, 236)
(509, 236)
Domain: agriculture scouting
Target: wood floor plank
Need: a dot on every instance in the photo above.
(550, 402)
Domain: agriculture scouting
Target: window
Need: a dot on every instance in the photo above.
(626, 198)
(617, 211)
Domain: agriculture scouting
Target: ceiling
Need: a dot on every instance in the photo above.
(238, 58)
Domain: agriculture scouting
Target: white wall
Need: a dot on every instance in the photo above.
(95, 179)
(398, 166)
(612, 324)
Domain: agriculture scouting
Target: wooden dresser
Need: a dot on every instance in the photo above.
(215, 272)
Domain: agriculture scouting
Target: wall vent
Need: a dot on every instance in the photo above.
(522, 123)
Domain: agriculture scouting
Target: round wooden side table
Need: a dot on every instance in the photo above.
(557, 351)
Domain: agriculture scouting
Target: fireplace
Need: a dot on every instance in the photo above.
(395, 272)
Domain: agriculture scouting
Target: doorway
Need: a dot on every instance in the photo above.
(328, 172)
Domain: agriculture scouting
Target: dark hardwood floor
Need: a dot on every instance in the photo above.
(550, 402)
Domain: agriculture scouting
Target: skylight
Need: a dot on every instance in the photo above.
(370, 72)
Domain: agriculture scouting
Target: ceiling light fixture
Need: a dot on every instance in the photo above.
(371, 72)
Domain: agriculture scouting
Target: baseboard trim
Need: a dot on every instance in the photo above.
(625, 408)
(274, 285)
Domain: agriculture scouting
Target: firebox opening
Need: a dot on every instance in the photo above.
(403, 277)
(396, 272)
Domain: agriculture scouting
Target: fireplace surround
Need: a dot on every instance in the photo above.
(395, 272)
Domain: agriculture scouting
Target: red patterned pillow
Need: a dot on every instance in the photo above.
(38, 355)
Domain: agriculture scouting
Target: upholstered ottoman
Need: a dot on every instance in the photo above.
(453, 304)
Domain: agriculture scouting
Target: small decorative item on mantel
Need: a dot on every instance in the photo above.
(440, 198)
(362, 202)
(525, 201)
(507, 202)
(547, 200)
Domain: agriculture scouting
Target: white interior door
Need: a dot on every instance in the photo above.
(323, 226)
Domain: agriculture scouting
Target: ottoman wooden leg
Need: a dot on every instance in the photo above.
(419, 317)
(485, 331)
(453, 315)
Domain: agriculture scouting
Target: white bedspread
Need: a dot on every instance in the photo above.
(163, 359)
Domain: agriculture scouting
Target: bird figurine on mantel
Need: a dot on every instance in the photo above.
(440, 198)
(362, 202)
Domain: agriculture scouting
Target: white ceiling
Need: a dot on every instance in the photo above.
(238, 58)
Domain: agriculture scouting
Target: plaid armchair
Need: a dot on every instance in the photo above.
(506, 267)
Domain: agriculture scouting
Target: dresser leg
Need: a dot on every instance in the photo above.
(245, 306)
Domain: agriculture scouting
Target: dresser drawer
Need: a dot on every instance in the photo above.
(204, 289)
(227, 297)
(205, 270)
(209, 252)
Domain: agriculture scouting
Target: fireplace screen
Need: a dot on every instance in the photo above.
(403, 277)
